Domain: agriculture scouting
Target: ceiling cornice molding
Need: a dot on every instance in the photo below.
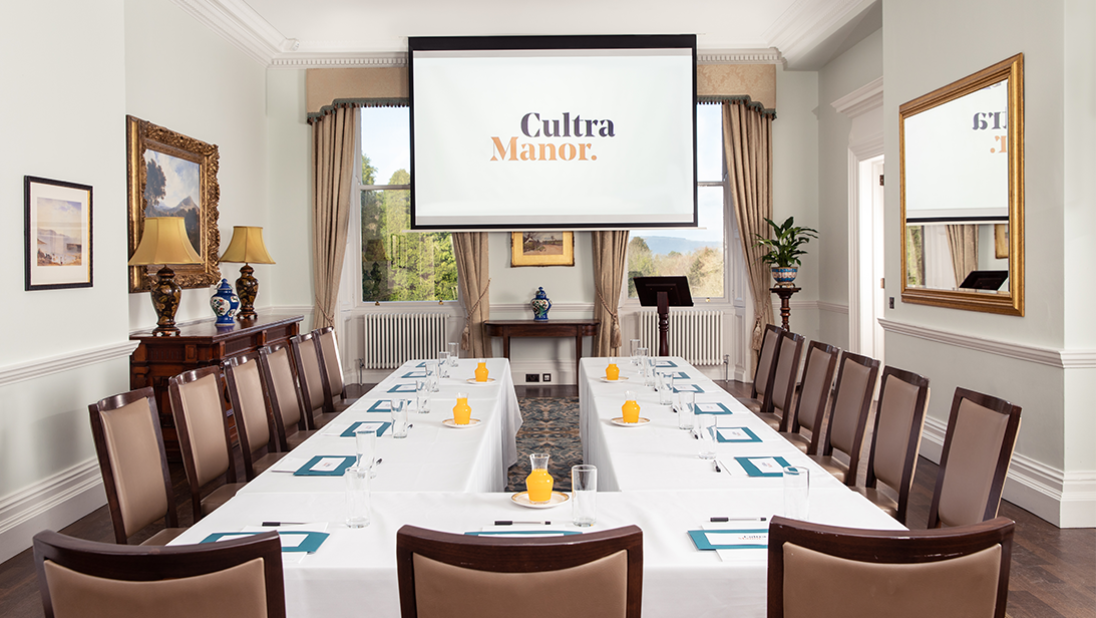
(761, 55)
(306, 60)
(865, 98)
(807, 23)
(240, 24)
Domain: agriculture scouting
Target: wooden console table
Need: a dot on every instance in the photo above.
(544, 328)
(157, 359)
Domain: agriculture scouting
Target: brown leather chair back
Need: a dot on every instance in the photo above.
(282, 391)
(233, 579)
(896, 440)
(250, 407)
(786, 374)
(442, 574)
(977, 452)
(130, 447)
(770, 344)
(817, 570)
(309, 375)
(332, 362)
(856, 378)
(810, 408)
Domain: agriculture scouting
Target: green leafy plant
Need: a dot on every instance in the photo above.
(784, 248)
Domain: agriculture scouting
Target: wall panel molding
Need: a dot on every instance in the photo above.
(1064, 359)
(65, 362)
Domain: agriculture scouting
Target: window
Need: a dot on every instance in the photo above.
(695, 253)
(397, 265)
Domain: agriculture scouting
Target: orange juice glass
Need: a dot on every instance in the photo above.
(612, 372)
(539, 482)
(481, 372)
(462, 412)
(630, 409)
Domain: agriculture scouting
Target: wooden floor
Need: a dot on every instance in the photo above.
(1053, 571)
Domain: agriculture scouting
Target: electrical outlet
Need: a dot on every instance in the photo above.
(532, 377)
(892, 302)
(547, 377)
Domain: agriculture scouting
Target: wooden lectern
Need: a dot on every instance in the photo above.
(663, 292)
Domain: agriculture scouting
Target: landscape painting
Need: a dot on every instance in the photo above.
(58, 234)
(173, 175)
(542, 249)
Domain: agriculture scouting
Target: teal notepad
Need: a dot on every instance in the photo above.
(381, 405)
(751, 469)
(402, 388)
(314, 467)
(680, 375)
(414, 374)
(292, 540)
(665, 363)
(756, 538)
(688, 388)
(505, 533)
(735, 434)
(349, 433)
(711, 407)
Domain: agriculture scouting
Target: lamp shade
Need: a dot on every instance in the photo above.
(247, 246)
(165, 241)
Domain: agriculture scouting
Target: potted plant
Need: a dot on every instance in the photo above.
(784, 249)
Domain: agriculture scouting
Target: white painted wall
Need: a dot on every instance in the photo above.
(191, 80)
(62, 118)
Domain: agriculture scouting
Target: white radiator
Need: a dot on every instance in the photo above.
(696, 336)
(392, 339)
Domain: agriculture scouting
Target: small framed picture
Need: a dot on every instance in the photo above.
(1000, 241)
(542, 249)
(58, 234)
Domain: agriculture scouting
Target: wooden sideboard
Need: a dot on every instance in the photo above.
(158, 359)
(543, 328)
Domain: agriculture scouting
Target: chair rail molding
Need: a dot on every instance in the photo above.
(1062, 359)
(52, 503)
(41, 367)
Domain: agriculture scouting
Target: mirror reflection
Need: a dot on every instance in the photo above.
(967, 256)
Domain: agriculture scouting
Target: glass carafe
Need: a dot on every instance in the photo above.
(539, 482)
(481, 372)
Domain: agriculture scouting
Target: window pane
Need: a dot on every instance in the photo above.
(386, 145)
(709, 143)
(402, 265)
(696, 254)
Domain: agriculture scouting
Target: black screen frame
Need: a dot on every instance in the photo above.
(496, 43)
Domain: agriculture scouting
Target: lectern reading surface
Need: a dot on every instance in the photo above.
(663, 292)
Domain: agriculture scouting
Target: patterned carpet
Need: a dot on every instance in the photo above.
(549, 425)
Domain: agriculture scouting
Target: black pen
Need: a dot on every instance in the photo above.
(275, 524)
(507, 522)
(726, 519)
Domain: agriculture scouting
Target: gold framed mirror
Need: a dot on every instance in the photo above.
(961, 153)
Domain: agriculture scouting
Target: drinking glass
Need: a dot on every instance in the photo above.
(399, 417)
(797, 487)
(665, 388)
(454, 353)
(422, 396)
(649, 371)
(432, 376)
(365, 438)
(685, 408)
(634, 347)
(705, 429)
(443, 364)
(583, 495)
(356, 479)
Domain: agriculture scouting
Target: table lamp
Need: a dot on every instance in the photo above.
(246, 247)
(165, 241)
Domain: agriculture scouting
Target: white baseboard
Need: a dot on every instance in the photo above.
(50, 504)
(1065, 500)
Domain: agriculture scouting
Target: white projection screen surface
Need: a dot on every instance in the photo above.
(526, 133)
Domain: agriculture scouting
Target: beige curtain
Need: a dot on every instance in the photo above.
(747, 137)
(334, 159)
(963, 244)
(610, 253)
(470, 250)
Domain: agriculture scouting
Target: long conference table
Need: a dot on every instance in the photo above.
(452, 480)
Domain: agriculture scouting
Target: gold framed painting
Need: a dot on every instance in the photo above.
(172, 175)
(542, 249)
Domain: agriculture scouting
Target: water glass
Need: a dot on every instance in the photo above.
(422, 396)
(399, 417)
(685, 408)
(356, 479)
(634, 347)
(432, 376)
(665, 388)
(649, 371)
(454, 353)
(797, 487)
(705, 430)
(443, 364)
(583, 495)
(365, 438)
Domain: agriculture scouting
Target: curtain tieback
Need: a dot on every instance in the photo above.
(466, 334)
(614, 327)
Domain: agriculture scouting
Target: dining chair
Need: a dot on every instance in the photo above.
(783, 382)
(814, 397)
(977, 452)
(896, 440)
(202, 424)
(240, 578)
(761, 389)
(130, 447)
(284, 396)
(335, 391)
(596, 574)
(254, 420)
(856, 377)
(310, 377)
(817, 570)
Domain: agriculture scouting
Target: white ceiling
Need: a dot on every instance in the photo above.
(803, 34)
